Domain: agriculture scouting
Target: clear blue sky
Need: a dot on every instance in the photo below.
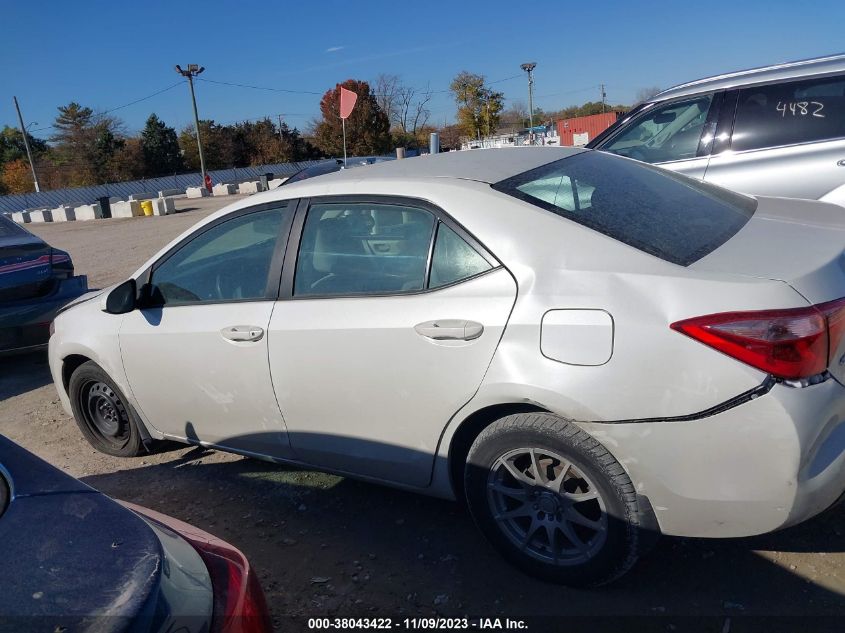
(106, 54)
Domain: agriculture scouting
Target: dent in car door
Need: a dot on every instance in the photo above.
(197, 362)
(367, 383)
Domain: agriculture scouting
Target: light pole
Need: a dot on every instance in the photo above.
(26, 145)
(529, 68)
(192, 71)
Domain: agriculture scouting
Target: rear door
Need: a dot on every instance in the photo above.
(788, 139)
(676, 134)
(388, 319)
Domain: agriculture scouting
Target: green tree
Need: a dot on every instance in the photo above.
(160, 148)
(367, 128)
(479, 106)
(12, 146)
(216, 146)
(85, 144)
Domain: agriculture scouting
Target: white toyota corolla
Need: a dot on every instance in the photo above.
(587, 349)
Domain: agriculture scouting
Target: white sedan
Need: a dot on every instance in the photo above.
(588, 350)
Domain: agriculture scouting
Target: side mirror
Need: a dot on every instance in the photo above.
(122, 298)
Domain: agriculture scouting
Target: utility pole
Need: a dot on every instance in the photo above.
(26, 145)
(529, 68)
(192, 71)
(281, 138)
(603, 97)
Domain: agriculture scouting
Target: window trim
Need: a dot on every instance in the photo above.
(645, 110)
(276, 262)
(440, 216)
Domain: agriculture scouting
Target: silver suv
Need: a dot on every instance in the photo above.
(774, 131)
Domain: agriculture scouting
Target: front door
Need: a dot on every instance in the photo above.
(393, 317)
(196, 358)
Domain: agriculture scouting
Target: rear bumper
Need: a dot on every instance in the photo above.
(24, 325)
(770, 463)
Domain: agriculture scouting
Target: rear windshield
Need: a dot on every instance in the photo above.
(9, 229)
(667, 215)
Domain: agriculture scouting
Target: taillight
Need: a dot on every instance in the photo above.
(790, 344)
(239, 605)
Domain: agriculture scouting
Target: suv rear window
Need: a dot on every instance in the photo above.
(670, 216)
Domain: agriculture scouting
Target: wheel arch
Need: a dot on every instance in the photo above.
(466, 432)
(70, 364)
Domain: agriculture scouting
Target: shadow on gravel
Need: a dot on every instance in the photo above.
(327, 545)
(23, 372)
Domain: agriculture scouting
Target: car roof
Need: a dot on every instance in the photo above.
(776, 72)
(482, 165)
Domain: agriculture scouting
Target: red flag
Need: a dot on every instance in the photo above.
(347, 102)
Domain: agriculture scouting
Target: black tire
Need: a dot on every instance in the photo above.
(573, 538)
(102, 412)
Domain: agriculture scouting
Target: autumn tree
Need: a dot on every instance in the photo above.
(367, 128)
(17, 177)
(479, 106)
(160, 148)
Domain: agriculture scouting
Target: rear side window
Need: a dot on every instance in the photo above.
(9, 229)
(667, 215)
(453, 259)
(790, 113)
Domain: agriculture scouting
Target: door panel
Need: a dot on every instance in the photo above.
(799, 171)
(364, 392)
(192, 381)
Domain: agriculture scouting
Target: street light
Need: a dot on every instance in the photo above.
(192, 71)
(529, 68)
(24, 133)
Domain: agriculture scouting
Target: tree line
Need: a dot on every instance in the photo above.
(90, 148)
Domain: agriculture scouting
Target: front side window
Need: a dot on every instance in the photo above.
(229, 262)
(790, 113)
(665, 214)
(363, 248)
(664, 133)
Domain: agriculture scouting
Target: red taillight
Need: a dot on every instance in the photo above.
(239, 605)
(790, 344)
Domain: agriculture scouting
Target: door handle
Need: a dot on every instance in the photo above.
(450, 330)
(840, 163)
(242, 333)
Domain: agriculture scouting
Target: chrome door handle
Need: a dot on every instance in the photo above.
(840, 163)
(450, 330)
(242, 333)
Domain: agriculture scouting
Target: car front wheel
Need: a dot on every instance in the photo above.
(552, 500)
(102, 412)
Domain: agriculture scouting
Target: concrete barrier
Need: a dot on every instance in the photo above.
(163, 206)
(146, 195)
(197, 192)
(115, 199)
(21, 217)
(63, 214)
(167, 193)
(275, 182)
(128, 209)
(41, 215)
(88, 212)
(223, 189)
(251, 186)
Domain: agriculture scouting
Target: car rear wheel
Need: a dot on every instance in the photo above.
(102, 412)
(552, 500)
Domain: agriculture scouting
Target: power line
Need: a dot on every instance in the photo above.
(229, 83)
(125, 105)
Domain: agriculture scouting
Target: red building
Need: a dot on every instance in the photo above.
(583, 129)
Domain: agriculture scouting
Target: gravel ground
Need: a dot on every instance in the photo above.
(325, 545)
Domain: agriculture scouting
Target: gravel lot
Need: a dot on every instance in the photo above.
(325, 545)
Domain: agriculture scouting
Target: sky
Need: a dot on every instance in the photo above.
(106, 55)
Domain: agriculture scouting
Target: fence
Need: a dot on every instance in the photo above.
(87, 195)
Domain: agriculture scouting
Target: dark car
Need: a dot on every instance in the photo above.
(75, 560)
(333, 165)
(36, 280)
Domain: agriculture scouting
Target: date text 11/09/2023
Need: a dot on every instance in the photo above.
(426, 624)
